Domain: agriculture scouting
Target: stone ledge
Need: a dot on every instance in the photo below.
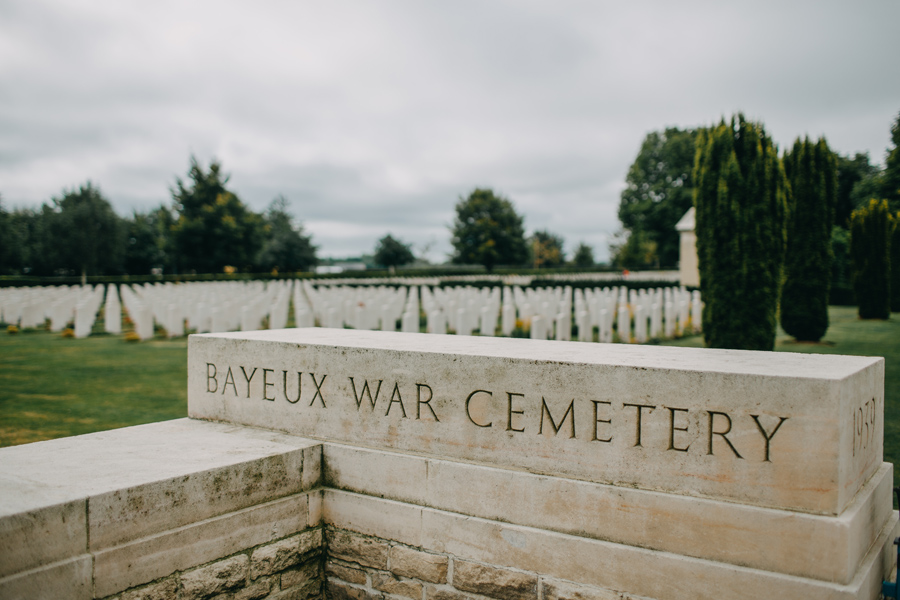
(597, 563)
(768, 539)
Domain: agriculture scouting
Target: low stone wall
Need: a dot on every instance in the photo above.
(641, 474)
(179, 509)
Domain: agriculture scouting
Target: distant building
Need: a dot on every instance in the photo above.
(341, 267)
(688, 268)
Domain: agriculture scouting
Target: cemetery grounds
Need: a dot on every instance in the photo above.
(53, 386)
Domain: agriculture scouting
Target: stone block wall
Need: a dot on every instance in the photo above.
(287, 569)
(360, 567)
(189, 509)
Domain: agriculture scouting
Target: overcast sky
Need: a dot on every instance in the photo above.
(376, 116)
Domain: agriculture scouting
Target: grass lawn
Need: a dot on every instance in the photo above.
(51, 386)
(847, 334)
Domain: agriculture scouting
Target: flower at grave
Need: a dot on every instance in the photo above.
(132, 336)
(12, 329)
(68, 332)
(229, 270)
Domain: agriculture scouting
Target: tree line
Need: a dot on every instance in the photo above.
(207, 229)
(659, 189)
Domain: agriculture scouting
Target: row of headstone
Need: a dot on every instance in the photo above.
(552, 312)
(31, 307)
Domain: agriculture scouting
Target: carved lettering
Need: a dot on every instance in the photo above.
(510, 412)
(365, 391)
(712, 417)
(468, 411)
(299, 387)
(673, 429)
(597, 419)
(252, 373)
(864, 420)
(399, 400)
(211, 377)
(229, 379)
(266, 385)
(768, 436)
(318, 393)
(427, 403)
(639, 407)
(569, 412)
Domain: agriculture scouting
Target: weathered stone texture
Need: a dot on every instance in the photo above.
(309, 571)
(344, 572)
(494, 581)
(565, 590)
(391, 584)
(270, 558)
(310, 540)
(339, 591)
(355, 548)
(258, 589)
(419, 565)
(161, 590)
(212, 579)
(445, 593)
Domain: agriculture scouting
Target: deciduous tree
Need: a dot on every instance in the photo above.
(391, 252)
(286, 248)
(488, 231)
(214, 228)
(658, 191)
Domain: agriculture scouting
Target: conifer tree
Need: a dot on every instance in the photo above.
(870, 234)
(740, 213)
(811, 171)
(895, 264)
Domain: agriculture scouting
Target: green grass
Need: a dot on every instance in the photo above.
(848, 334)
(51, 386)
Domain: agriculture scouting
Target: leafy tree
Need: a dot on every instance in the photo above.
(634, 251)
(286, 248)
(659, 190)
(147, 241)
(214, 228)
(852, 172)
(546, 249)
(841, 270)
(811, 171)
(740, 203)
(584, 256)
(488, 231)
(391, 252)
(895, 264)
(88, 233)
(870, 235)
(9, 242)
(891, 178)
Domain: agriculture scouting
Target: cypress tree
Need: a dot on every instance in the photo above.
(870, 234)
(740, 211)
(811, 171)
(895, 265)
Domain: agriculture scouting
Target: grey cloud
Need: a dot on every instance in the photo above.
(376, 117)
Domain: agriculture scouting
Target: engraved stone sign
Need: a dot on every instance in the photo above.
(788, 431)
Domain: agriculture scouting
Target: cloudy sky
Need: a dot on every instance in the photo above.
(375, 116)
